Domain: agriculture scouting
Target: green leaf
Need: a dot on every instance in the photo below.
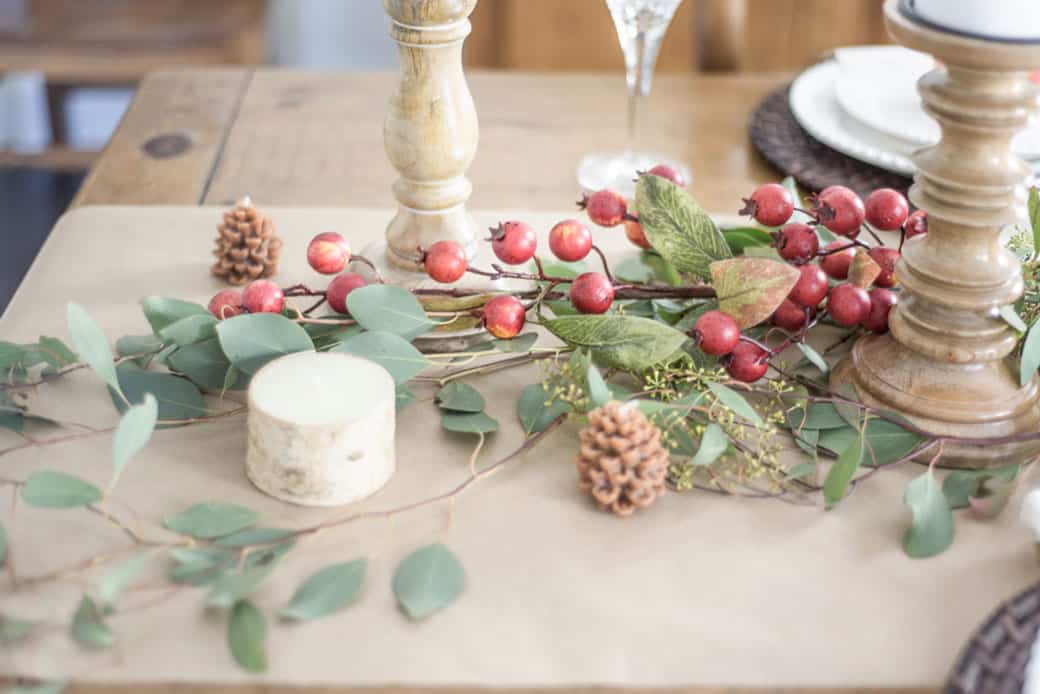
(205, 365)
(808, 440)
(842, 471)
(56, 352)
(797, 472)
(246, 635)
(817, 415)
(961, 485)
(116, 579)
(132, 345)
(38, 688)
(251, 340)
(133, 432)
(403, 397)
(742, 238)
(90, 342)
(460, 397)
(534, 415)
(520, 343)
(884, 441)
(814, 357)
(254, 536)
(12, 629)
(932, 529)
(633, 270)
(189, 330)
(751, 289)
(663, 270)
(177, 398)
(559, 268)
(52, 489)
(1030, 354)
(678, 228)
(428, 580)
(628, 343)
(161, 311)
(88, 626)
(233, 587)
(214, 519)
(714, 443)
(3, 544)
(326, 591)
(1012, 318)
(201, 566)
(1033, 205)
(736, 402)
(598, 391)
(468, 423)
(394, 353)
(390, 309)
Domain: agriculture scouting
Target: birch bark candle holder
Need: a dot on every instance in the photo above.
(321, 428)
(946, 363)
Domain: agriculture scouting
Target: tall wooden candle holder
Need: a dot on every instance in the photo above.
(945, 363)
(430, 132)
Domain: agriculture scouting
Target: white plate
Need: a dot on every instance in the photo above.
(878, 87)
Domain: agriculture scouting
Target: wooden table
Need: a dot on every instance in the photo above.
(197, 137)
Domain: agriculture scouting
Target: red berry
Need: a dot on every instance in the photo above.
(840, 210)
(226, 303)
(570, 240)
(771, 205)
(716, 333)
(811, 288)
(445, 261)
(916, 224)
(634, 232)
(504, 316)
(886, 258)
(605, 207)
(328, 253)
(886, 209)
(797, 243)
(670, 173)
(848, 304)
(514, 243)
(263, 296)
(836, 263)
(881, 303)
(591, 292)
(748, 362)
(790, 316)
(341, 287)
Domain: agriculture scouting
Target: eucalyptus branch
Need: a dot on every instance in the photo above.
(55, 375)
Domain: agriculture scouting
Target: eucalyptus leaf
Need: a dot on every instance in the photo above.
(115, 580)
(598, 391)
(247, 636)
(38, 688)
(932, 529)
(88, 625)
(210, 520)
(801, 470)
(634, 270)
(3, 544)
(961, 485)
(56, 353)
(520, 343)
(177, 398)
(390, 309)
(394, 353)
(628, 343)
(189, 330)
(254, 536)
(678, 228)
(206, 366)
(232, 587)
(816, 415)
(533, 412)
(1030, 354)
(403, 397)
(134, 430)
(53, 489)
(133, 345)
(161, 311)
(12, 630)
(809, 441)
(1012, 318)
(842, 472)
(814, 357)
(326, 591)
(251, 340)
(460, 397)
(885, 441)
(468, 423)
(201, 566)
(428, 580)
(714, 443)
(736, 402)
(90, 342)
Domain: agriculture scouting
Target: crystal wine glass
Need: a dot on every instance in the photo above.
(640, 25)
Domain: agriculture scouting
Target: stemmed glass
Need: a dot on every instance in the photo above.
(640, 25)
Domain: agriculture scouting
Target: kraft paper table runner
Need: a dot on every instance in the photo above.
(699, 590)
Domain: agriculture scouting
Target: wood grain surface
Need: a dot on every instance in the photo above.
(304, 138)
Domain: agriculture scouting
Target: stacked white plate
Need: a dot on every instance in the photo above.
(864, 103)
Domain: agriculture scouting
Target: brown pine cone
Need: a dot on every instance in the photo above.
(246, 247)
(621, 463)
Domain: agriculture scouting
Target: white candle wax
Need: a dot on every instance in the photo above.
(321, 428)
(994, 19)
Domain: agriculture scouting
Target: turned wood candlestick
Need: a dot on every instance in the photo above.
(430, 131)
(945, 363)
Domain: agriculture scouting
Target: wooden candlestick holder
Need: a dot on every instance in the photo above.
(945, 363)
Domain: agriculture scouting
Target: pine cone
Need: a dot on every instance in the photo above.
(247, 247)
(622, 463)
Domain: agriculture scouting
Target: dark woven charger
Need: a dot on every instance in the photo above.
(783, 143)
(994, 661)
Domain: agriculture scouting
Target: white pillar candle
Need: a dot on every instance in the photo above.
(321, 428)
